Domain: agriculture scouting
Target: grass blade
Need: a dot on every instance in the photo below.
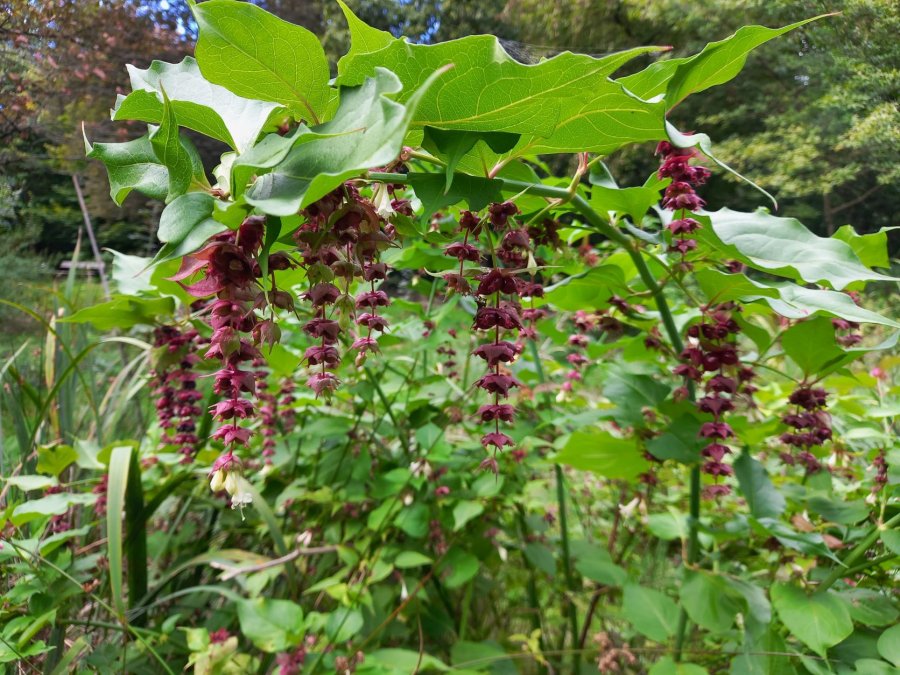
(119, 462)
(136, 542)
(69, 657)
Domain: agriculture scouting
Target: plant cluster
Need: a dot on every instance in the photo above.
(538, 492)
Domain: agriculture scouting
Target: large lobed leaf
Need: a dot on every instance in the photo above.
(718, 63)
(259, 56)
(199, 105)
(134, 165)
(787, 299)
(166, 143)
(563, 104)
(367, 131)
(784, 246)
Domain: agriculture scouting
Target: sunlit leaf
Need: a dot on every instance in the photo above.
(258, 56)
(198, 104)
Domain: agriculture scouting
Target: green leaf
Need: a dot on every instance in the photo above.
(367, 131)
(668, 526)
(167, 147)
(718, 63)
(783, 246)
(871, 249)
(839, 511)
(476, 192)
(182, 216)
(402, 661)
(710, 601)
(53, 459)
(464, 511)
(272, 625)
(131, 273)
(258, 56)
(541, 557)
(870, 607)
(199, 105)
(413, 520)
(763, 499)
(704, 142)
(452, 145)
(811, 345)
(51, 505)
(364, 37)
(889, 645)
(264, 156)
(650, 612)
(680, 441)
(123, 311)
(810, 543)
(481, 656)
(632, 392)
(586, 290)
(186, 225)
(602, 453)
(891, 540)
(566, 103)
(408, 559)
(457, 567)
(785, 298)
(131, 166)
(873, 667)
(819, 620)
(668, 666)
(26, 483)
(633, 201)
(594, 562)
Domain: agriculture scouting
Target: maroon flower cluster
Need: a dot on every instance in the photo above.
(810, 424)
(175, 388)
(711, 361)
(274, 413)
(881, 471)
(291, 663)
(471, 225)
(341, 242)
(496, 314)
(449, 354)
(849, 337)
(681, 196)
(101, 489)
(584, 323)
(230, 267)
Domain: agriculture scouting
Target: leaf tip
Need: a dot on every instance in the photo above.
(88, 148)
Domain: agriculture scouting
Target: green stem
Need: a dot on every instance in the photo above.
(847, 564)
(569, 604)
(569, 600)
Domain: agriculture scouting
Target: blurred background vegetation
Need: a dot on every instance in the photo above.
(814, 117)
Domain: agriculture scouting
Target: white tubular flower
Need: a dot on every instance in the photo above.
(382, 200)
(217, 481)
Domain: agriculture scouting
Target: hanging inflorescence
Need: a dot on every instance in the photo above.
(499, 312)
(341, 243)
(681, 197)
(811, 425)
(175, 387)
(231, 269)
(711, 362)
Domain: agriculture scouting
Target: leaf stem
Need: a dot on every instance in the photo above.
(847, 563)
